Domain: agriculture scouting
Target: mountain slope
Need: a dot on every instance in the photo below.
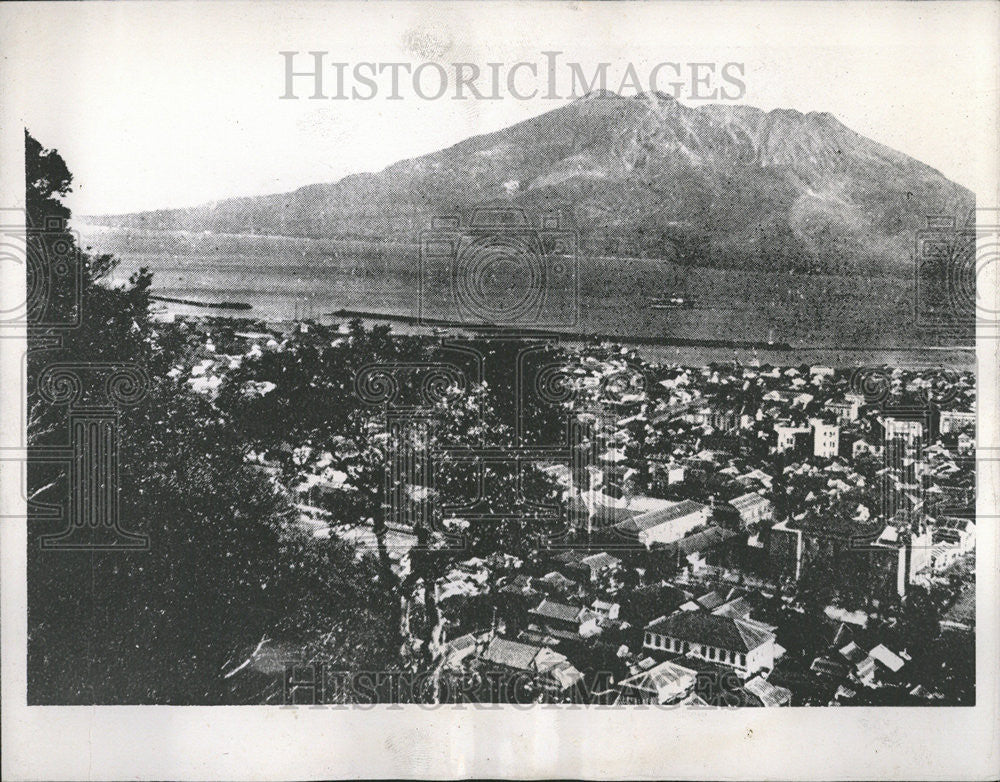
(722, 186)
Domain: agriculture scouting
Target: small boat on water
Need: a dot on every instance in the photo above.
(672, 303)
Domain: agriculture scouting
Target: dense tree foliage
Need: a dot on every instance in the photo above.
(224, 569)
(314, 418)
(228, 568)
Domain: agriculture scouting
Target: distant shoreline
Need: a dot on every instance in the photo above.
(414, 320)
(220, 305)
(688, 354)
(827, 319)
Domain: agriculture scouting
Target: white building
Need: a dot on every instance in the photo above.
(845, 411)
(956, 531)
(826, 438)
(751, 508)
(905, 428)
(665, 525)
(662, 684)
(788, 434)
(742, 644)
(670, 472)
(956, 420)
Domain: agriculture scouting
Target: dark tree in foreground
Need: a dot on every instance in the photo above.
(224, 572)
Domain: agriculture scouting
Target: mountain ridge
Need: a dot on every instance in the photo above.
(713, 185)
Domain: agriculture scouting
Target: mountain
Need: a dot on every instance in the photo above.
(717, 185)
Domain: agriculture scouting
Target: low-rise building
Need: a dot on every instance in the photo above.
(752, 508)
(600, 564)
(742, 644)
(563, 621)
(958, 532)
(548, 669)
(699, 548)
(846, 410)
(665, 525)
(762, 692)
(556, 583)
(667, 471)
(662, 684)
(801, 400)
(955, 421)
(891, 661)
(943, 556)
(756, 475)
(583, 567)
(862, 446)
(907, 429)
(460, 649)
(605, 609)
(790, 437)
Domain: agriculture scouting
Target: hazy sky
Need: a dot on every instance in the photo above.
(175, 104)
